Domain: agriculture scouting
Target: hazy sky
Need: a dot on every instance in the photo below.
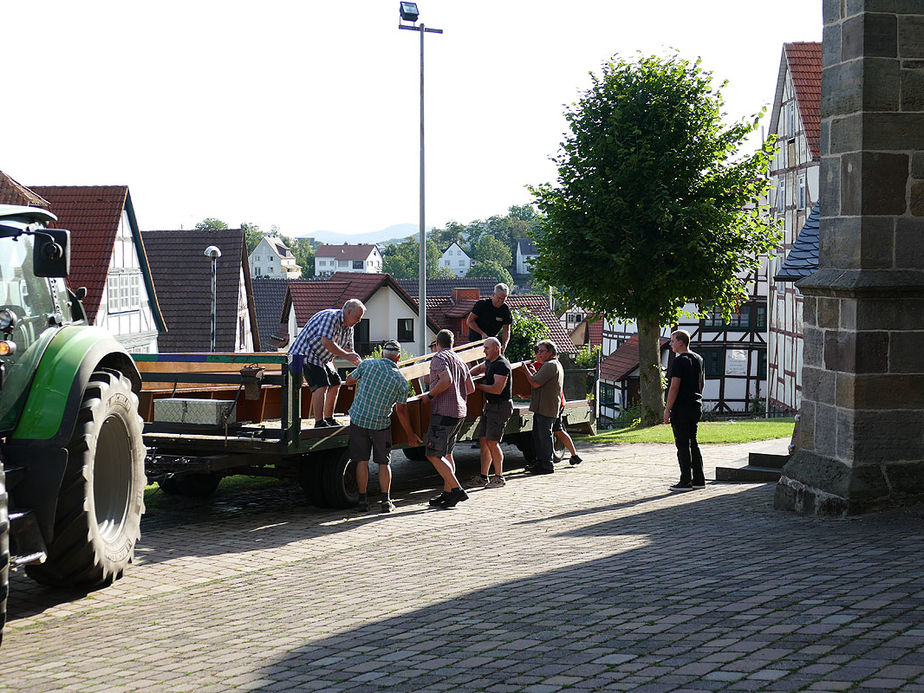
(304, 114)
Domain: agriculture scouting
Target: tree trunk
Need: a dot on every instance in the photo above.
(649, 366)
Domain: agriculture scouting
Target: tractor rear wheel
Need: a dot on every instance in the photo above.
(338, 479)
(102, 494)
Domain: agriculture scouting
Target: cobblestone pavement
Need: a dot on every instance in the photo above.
(594, 578)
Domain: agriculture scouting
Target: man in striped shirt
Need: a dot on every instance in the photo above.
(326, 335)
(380, 389)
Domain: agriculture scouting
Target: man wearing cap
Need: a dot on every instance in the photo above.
(380, 388)
(327, 334)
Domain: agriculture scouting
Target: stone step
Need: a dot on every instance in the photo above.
(751, 473)
(762, 466)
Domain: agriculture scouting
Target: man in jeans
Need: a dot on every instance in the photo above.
(683, 410)
(450, 385)
(381, 388)
(547, 383)
(498, 408)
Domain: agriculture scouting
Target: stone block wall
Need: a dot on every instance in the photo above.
(860, 444)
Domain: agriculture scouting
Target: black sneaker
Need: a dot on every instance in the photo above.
(676, 488)
(698, 485)
(362, 505)
(321, 423)
(457, 495)
(388, 506)
(332, 422)
(575, 459)
(437, 500)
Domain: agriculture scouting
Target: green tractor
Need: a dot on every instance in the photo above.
(71, 452)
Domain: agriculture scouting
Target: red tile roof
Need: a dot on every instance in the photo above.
(804, 60)
(618, 365)
(310, 296)
(347, 251)
(92, 214)
(14, 193)
(447, 314)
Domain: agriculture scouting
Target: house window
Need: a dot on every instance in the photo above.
(124, 292)
(713, 319)
(607, 395)
(781, 196)
(760, 317)
(358, 264)
(712, 362)
(256, 271)
(461, 263)
(761, 364)
(405, 329)
(791, 119)
(801, 192)
(343, 264)
(361, 333)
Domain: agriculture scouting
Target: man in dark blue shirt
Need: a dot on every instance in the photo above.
(683, 410)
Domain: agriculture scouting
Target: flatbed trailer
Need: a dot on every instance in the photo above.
(210, 415)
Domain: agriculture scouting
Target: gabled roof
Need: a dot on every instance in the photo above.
(269, 295)
(803, 61)
(456, 244)
(309, 297)
(347, 251)
(13, 192)
(618, 365)
(527, 246)
(278, 247)
(92, 213)
(444, 287)
(588, 332)
(446, 313)
(802, 259)
(183, 277)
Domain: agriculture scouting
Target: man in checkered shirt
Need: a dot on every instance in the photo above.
(327, 334)
(381, 388)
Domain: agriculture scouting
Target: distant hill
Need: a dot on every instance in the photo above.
(395, 233)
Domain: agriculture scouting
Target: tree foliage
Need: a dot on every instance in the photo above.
(490, 270)
(211, 224)
(654, 207)
(304, 255)
(402, 261)
(490, 249)
(525, 332)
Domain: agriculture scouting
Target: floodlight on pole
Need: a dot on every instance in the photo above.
(408, 12)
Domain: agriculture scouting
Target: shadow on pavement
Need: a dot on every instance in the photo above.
(761, 592)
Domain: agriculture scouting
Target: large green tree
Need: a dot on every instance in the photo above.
(654, 206)
(490, 270)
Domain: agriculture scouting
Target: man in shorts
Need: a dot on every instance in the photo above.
(380, 388)
(498, 408)
(327, 334)
(450, 385)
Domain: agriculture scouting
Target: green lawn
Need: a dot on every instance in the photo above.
(740, 431)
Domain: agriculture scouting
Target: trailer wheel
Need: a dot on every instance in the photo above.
(418, 454)
(196, 484)
(310, 468)
(4, 550)
(338, 479)
(102, 494)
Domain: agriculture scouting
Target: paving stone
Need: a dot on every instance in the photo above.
(511, 592)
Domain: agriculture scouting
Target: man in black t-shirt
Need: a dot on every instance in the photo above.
(491, 317)
(498, 408)
(683, 410)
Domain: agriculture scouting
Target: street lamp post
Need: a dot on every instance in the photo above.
(213, 253)
(409, 13)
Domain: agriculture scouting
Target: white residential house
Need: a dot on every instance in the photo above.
(108, 258)
(355, 257)
(456, 260)
(526, 252)
(795, 119)
(272, 259)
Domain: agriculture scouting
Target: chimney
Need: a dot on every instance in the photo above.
(465, 294)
